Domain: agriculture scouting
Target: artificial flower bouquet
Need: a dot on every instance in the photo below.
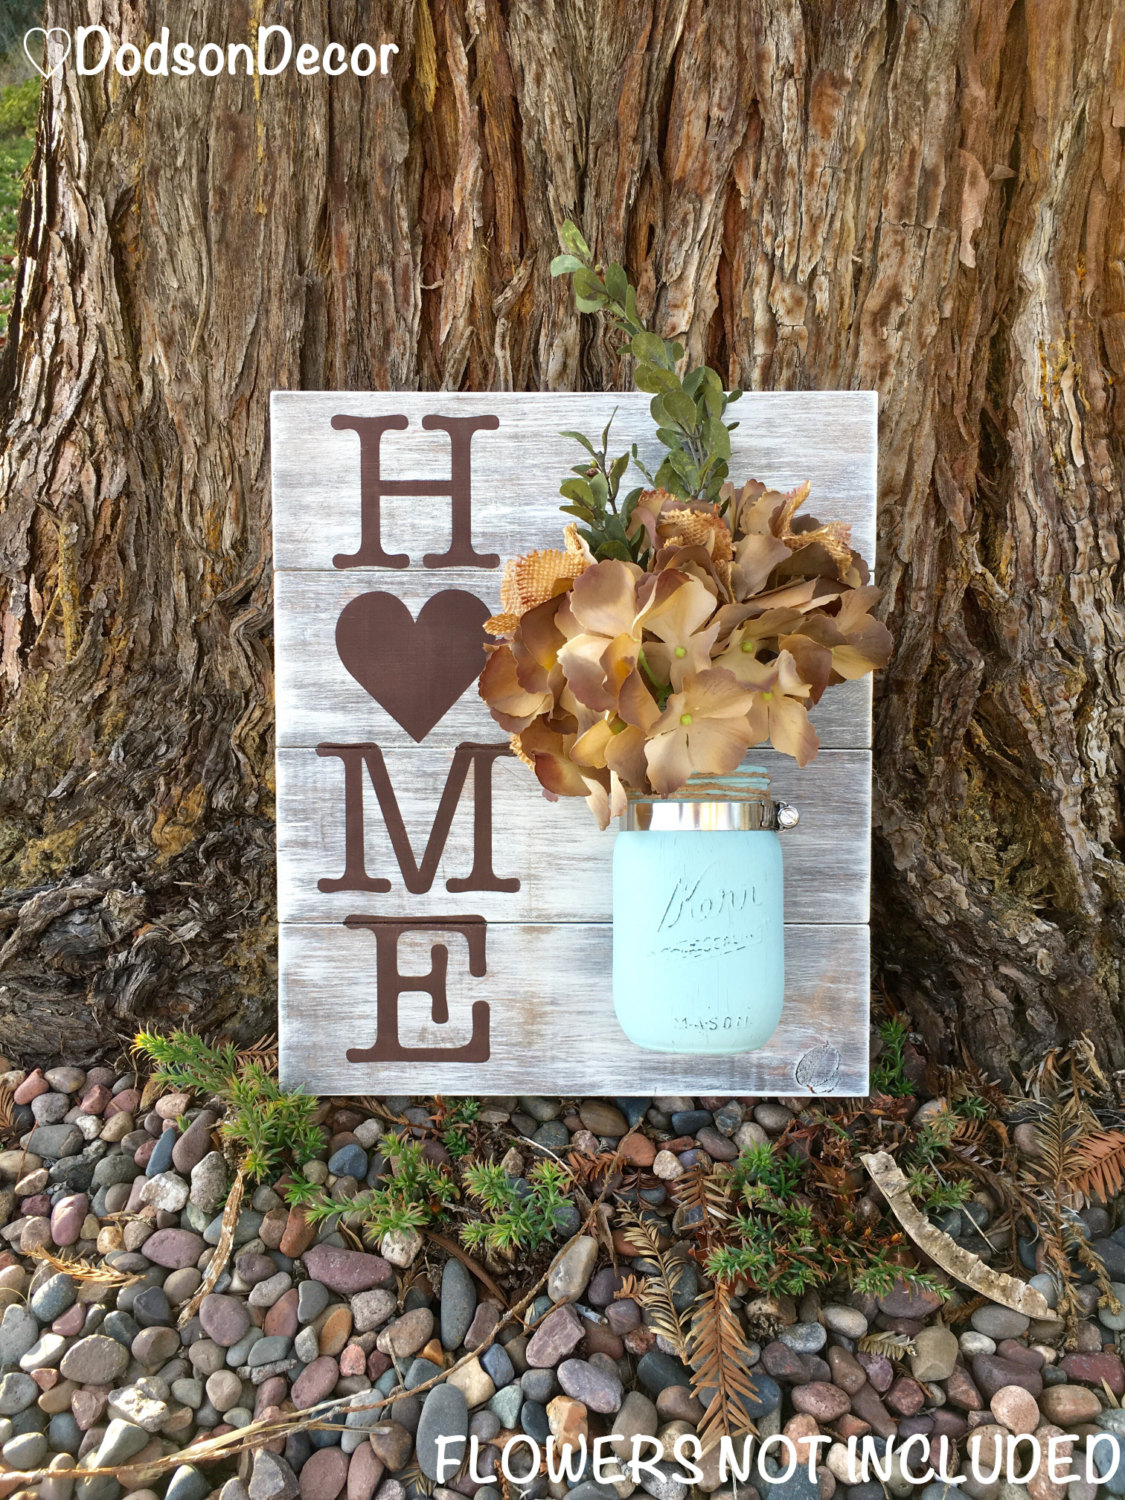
(679, 624)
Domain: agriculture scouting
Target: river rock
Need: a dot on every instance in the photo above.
(458, 1303)
(347, 1271)
(559, 1333)
(999, 1322)
(175, 1249)
(935, 1353)
(444, 1414)
(827, 1403)
(271, 1478)
(95, 1360)
(571, 1269)
(315, 1382)
(1068, 1404)
(596, 1388)
(324, 1474)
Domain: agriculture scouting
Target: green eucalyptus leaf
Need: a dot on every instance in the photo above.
(616, 283)
(580, 437)
(649, 347)
(654, 379)
(578, 490)
(685, 467)
(718, 438)
(563, 265)
(588, 284)
(680, 408)
(570, 238)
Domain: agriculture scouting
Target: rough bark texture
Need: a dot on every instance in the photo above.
(926, 199)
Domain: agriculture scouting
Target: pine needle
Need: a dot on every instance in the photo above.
(88, 1272)
(1098, 1166)
(8, 1127)
(720, 1358)
(656, 1293)
(889, 1345)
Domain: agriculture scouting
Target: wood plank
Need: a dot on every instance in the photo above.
(783, 438)
(318, 699)
(553, 1029)
(562, 860)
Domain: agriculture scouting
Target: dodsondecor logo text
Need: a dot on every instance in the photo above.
(274, 50)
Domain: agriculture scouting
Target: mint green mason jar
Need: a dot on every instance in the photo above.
(698, 916)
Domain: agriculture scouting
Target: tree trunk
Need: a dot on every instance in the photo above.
(927, 200)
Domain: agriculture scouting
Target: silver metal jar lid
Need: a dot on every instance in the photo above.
(734, 803)
(677, 816)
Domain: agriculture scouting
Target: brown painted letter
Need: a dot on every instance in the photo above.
(417, 877)
(459, 487)
(391, 983)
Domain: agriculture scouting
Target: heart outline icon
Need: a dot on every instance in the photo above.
(46, 32)
(415, 669)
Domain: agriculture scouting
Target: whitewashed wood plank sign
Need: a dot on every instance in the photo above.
(445, 929)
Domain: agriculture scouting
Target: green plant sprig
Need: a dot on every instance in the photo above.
(513, 1218)
(263, 1124)
(688, 410)
(415, 1194)
(778, 1244)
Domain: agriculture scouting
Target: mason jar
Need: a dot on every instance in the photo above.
(698, 916)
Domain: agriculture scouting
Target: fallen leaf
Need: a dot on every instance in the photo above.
(961, 1264)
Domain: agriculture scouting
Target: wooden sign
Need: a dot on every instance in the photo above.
(444, 928)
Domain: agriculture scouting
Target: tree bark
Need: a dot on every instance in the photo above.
(924, 199)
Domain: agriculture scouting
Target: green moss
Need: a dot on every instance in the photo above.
(19, 106)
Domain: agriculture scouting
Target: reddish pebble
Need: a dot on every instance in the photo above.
(271, 1392)
(335, 1330)
(172, 1106)
(123, 1103)
(324, 1474)
(299, 1233)
(94, 1100)
(271, 1414)
(364, 1472)
(906, 1396)
(87, 1405)
(281, 1318)
(32, 1086)
(821, 1400)
(378, 1364)
(37, 1204)
(353, 1361)
(315, 1382)
(67, 1218)
(1094, 1368)
(70, 1322)
(637, 1150)
(602, 1340)
(143, 1152)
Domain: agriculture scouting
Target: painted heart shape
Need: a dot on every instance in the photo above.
(48, 34)
(414, 668)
